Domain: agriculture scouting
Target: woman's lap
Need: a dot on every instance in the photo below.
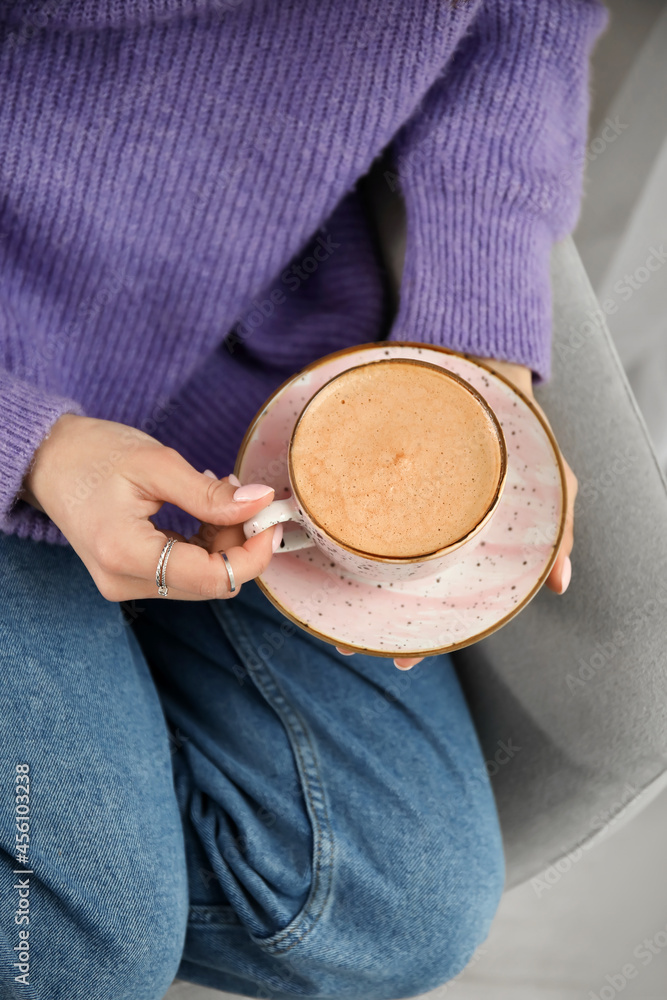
(332, 831)
(78, 705)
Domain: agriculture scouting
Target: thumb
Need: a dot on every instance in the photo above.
(168, 477)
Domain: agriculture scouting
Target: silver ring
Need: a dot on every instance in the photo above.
(230, 571)
(160, 573)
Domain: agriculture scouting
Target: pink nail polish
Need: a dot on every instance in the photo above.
(567, 576)
(212, 475)
(233, 480)
(254, 491)
(277, 537)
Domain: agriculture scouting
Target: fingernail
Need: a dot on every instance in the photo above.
(233, 480)
(207, 472)
(345, 652)
(254, 491)
(401, 667)
(277, 537)
(566, 577)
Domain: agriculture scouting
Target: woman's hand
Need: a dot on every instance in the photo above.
(561, 571)
(101, 481)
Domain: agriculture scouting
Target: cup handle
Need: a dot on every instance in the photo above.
(275, 513)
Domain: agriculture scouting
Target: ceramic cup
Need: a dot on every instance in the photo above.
(354, 560)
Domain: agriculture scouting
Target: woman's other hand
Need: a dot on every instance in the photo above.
(559, 576)
(100, 482)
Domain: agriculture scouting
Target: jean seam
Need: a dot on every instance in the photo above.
(302, 745)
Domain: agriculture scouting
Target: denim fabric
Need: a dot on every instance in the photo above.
(220, 796)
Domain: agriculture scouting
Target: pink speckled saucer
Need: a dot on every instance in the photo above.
(500, 570)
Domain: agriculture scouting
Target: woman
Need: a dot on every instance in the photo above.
(267, 825)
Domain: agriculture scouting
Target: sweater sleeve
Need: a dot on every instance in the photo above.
(27, 414)
(490, 167)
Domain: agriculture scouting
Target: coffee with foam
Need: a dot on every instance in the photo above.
(397, 458)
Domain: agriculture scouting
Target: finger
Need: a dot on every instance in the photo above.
(163, 475)
(190, 573)
(406, 663)
(174, 593)
(212, 537)
(561, 571)
(560, 574)
(345, 652)
(204, 573)
(231, 478)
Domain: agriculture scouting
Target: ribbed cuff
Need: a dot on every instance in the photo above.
(26, 417)
(491, 167)
(477, 273)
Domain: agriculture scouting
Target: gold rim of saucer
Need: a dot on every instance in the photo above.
(452, 647)
(445, 549)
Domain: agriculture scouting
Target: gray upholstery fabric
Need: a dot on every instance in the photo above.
(591, 752)
(579, 681)
(624, 222)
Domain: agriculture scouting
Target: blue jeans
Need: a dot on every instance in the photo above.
(219, 796)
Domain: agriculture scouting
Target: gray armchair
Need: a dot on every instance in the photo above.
(576, 684)
(579, 682)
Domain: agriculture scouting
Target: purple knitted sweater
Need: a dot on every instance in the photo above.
(180, 223)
